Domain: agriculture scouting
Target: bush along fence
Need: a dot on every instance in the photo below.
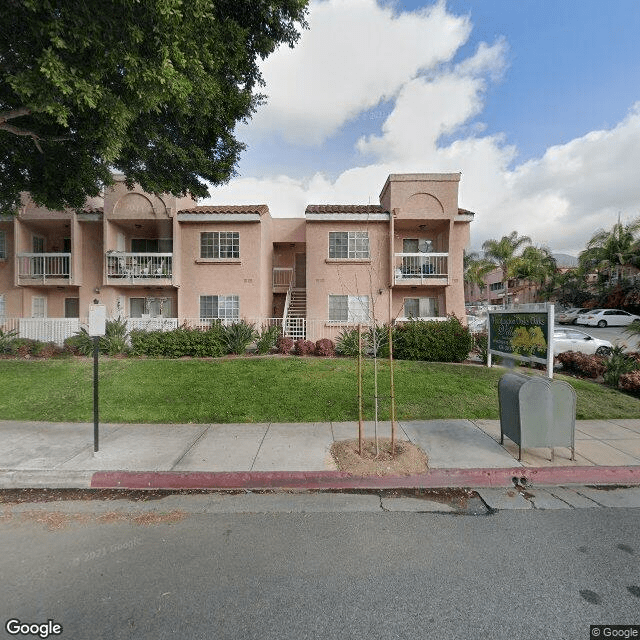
(443, 341)
(423, 340)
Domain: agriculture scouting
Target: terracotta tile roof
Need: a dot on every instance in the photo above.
(465, 212)
(344, 208)
(228, 208)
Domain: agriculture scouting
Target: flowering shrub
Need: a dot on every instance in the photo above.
(581, 364)
(630, 381)
(325, 348)
(285, 345)
(303, 348)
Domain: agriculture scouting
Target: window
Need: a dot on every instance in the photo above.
(420, 307)
(349, 245)
(3, 245)
(496, 286)
(220, 244)
(153, 307)
(417, 245)
(220, 307)
(38, 307)
(3, 308)
(354, 309)
(72, 307)
(37, 244)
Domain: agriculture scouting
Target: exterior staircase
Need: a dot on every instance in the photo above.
(295, 321)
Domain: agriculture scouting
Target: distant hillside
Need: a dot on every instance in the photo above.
(565, 260)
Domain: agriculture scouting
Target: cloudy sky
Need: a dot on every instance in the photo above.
(536, 102)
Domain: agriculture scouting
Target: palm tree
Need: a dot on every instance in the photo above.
(476, 269)
(536, 265)
(612, 250)
(503, 253)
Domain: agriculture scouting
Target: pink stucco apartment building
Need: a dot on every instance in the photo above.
(163, 261)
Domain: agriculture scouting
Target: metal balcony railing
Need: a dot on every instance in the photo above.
(423, 267)
(139, 266)
(282, 276)
(43, 266)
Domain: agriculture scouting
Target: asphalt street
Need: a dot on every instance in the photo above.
(183, 571)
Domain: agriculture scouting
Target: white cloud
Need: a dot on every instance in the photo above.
(355, 54)
(559, 199)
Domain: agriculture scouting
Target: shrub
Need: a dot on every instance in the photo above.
(267, 339)
(24, 347)
(581, 364)
(347, 343)
(238, 336)
(325, 348)
(303, 348)
(80, 343)
(617, 364)
(6, 338)
(285, 345)
(481, 345)
(114, 340)
(630, 381)
(433, 341)
(179, 343)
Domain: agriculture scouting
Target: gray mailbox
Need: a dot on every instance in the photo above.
(537, 412)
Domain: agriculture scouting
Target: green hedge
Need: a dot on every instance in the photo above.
(179, 342)
(432, 341)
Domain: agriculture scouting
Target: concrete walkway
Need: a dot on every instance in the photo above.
(461, 453)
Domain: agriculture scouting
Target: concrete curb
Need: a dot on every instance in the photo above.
(436, 478)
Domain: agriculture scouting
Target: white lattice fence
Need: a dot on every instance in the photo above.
(48, 329)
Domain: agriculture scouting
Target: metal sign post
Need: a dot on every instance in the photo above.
(97, 328)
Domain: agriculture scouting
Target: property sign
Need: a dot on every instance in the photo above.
(97, 319)
(523, 334)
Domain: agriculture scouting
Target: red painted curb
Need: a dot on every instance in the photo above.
(435, 478)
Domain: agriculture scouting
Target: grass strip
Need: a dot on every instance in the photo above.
(270, 389)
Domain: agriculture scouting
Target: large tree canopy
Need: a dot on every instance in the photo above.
(151, 88)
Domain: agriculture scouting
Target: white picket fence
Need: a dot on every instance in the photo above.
(44, 329)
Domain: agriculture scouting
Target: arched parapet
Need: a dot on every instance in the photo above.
(422, 205)
(136, 206)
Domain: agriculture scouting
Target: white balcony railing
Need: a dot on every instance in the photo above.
(43, 266)
(139, 266)
(282, 276)
(423, 267)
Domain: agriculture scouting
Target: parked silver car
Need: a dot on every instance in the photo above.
(576, 340)
(569, 316)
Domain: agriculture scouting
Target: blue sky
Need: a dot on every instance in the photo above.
(537, 103)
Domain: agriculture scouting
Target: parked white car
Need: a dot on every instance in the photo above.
(607, 318)
(576, 340)
(570, 315)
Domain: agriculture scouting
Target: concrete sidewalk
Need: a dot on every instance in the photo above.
(461, 453)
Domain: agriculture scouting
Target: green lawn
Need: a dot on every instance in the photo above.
(263, 390)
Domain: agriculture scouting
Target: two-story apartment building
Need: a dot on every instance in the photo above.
(164, 261)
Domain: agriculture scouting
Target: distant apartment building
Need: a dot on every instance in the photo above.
(163, 261)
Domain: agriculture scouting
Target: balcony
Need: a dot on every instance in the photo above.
(413, 269)
(44, 269)
(282, 277)
(139, 268)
